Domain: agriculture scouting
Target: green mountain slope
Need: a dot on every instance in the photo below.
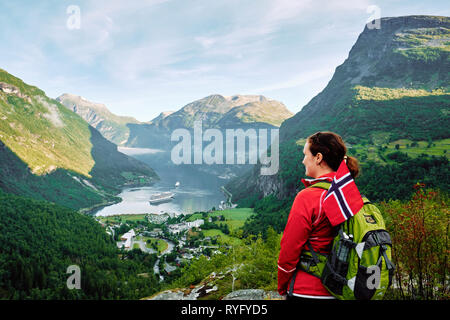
(111, 126)
(67, 188)
(394, 80)
(393, 87)
(49, 152)
(40, 240)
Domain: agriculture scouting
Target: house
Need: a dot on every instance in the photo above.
(130, 234)
(177, 228)
(127, 238)
(187, 256)
(154, 233)
(197, 223)
(158, 218)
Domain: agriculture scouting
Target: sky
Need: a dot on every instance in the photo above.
(143, 57)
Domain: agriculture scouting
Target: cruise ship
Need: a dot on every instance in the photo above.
(161, 197)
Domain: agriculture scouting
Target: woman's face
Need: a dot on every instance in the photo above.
(310, 162)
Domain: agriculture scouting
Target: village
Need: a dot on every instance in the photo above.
(175, 239)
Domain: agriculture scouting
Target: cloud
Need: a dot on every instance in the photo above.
(284, 10)
(205, 42)
(296, 81)
(160, 54)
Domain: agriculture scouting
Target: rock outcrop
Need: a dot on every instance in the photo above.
(111, 126)
(209, 288)
(10, 89)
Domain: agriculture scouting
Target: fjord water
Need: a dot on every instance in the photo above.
(198, 191)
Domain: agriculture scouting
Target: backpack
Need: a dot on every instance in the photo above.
(359, 266)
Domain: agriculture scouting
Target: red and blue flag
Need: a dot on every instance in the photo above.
(343, 200)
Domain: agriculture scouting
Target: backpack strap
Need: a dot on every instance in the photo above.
(322, 185)
(383, 251)
(315, 260)
(291, 285)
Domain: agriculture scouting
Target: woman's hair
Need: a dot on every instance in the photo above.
(333, 150)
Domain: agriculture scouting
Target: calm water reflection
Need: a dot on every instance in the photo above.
(198, 191)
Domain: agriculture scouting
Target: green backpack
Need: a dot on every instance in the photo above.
(359, 266)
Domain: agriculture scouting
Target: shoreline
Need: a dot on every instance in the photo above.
(170, 214)
(89, 210)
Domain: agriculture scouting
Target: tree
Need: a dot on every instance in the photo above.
(40, 240)
(420, 233)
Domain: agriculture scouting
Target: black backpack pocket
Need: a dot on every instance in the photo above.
(334, 273)
(362, 291)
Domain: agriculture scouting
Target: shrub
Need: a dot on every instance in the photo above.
(420, 234)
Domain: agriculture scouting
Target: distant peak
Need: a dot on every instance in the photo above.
(80, 100)
(240, 99)
(161, 116)
(389, 24)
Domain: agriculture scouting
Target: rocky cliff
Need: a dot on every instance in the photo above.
(111, 126)
(49, 152)
(393, 85)
(407, 57)
(215, 111)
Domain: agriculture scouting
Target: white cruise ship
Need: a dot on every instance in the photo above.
(161, 197)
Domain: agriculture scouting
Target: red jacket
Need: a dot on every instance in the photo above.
(306, 221)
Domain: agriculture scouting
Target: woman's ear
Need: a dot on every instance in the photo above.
(319, 158)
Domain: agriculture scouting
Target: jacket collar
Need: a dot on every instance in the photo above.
(326, 177)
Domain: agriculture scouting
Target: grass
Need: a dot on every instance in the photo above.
(437, 148)
(365, 153)
(222, 238)
(124, 217)
(376, 93)
(160, 243)
(234, 218)
(237, 214)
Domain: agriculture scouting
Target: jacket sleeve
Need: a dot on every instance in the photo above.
(296, 233)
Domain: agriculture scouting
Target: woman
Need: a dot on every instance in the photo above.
(323, 153)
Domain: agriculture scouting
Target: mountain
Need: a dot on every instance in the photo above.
(215, 111)
(392, 90)
(221, 111)
(111, 126)
(50, 153)
(395, 81)
(40, 240)
(161, 116)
